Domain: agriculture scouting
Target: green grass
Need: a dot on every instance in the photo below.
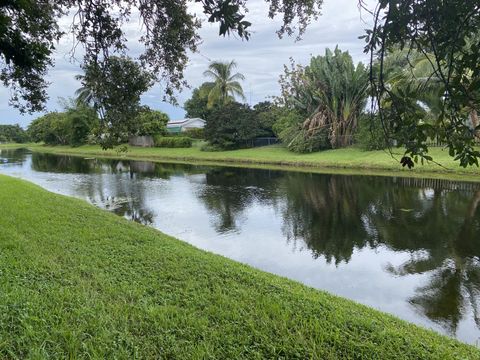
(79, 282)
(352, 160)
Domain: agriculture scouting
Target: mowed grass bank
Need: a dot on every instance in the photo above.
(79, 282)
(353, 159)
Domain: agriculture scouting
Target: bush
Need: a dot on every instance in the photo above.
(195, 133)
(172, 141)
(231, 126)
(289, 129)
(370, 134)
(151, 122)
(306, 142)
(210, 148)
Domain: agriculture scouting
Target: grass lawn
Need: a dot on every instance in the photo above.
(351, 159)
(79, 282)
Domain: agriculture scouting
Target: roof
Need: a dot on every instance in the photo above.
(183, 121)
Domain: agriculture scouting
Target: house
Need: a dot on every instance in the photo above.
(177, 126)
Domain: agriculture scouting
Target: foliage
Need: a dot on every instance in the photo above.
(231, 126)
(226, 85)
(331, 93)
(370, 134)
(82, 122)
(197, 105)
(446, 34)
(30, 31)
(72, 127)
(266, 114)
(172, 141)
(52, 129)
(13, 133)
(151, 122)
(117, 85)
(290, 130)
(197, 133)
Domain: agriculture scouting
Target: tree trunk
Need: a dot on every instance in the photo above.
(474, 119)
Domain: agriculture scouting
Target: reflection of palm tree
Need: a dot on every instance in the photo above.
(226, 85)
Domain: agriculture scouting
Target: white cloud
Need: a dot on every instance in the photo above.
(260, 59)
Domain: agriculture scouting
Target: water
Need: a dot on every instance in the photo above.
(410, 247)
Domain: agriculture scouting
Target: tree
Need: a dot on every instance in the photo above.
(71, 127)
(52, 128)
(266, 114)
(331, 93)
(29, 31)
(151, 122)
(197, 105)
(117, 85)
(231, 126)
(226, 84)
(13, 133)
(446, 34)
(83, 122)
(84, 94)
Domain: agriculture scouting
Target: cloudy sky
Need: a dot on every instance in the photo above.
(260, 59)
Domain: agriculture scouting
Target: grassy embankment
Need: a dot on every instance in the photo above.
(349, 160)
(79, 282)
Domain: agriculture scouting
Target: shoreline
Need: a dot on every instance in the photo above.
(377, 164)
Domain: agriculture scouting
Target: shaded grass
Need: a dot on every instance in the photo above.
(351, 159)
(78, 282)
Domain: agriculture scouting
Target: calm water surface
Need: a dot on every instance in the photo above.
(410, 247)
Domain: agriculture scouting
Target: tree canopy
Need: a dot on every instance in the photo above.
(446, 34)
(225, 83)
(117, 90)
(29, 31)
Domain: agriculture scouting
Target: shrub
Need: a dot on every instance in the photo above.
(151, 122)
(289, 129)
(210, 148)
(231, 126)
(304, 141)
(370, 134)
(173, 141)
(195, 133)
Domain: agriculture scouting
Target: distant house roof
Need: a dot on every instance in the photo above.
(183, 122)
(177, 126)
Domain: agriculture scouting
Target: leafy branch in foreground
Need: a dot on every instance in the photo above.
(29, 31)
(445, 34)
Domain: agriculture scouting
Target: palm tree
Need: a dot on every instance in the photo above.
(337, 89)
(84, 95)
(415, 69)
(226, 84)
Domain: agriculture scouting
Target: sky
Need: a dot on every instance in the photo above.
(260, 59)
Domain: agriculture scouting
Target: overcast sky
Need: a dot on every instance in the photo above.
(260, 59)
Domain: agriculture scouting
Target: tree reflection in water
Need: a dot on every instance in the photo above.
(230, 191)
(333, 215)
(440, 229)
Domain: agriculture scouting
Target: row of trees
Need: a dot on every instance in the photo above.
(106, 110)
(13, 133)
(319, 108)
